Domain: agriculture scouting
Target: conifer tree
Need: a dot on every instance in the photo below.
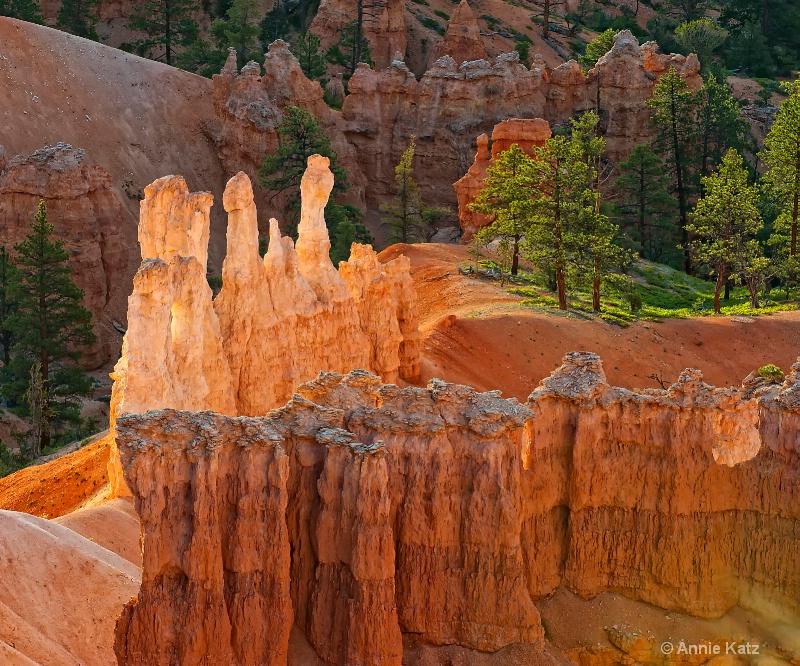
(674, 123)
(311, 58)
(725, 223)
(7, 305)
(701, 36)
(596, 49)
(239, 30)
(781, 157)
(167, 23)
(646, 206)
(507, 198)
(721, 124)
(405, 216)
(51, 327)
(24, 10)
(300, 136)
(79, 17)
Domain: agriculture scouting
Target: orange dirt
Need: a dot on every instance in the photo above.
(59, 486)
(475, 333)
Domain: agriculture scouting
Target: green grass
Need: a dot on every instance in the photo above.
(665, 294)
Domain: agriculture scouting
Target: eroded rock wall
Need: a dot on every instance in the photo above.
(455, 102)
(87, 217)
(446, 513)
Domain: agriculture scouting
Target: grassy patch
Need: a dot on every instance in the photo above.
(665, 293)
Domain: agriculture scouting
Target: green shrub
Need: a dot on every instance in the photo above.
(771, 372)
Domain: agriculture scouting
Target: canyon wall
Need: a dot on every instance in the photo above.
(454, 103)
(445, 513)
(87, 217)
(276, 321)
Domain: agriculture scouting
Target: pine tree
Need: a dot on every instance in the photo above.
(781, 157)
(646, 206)
(721, 125)
(51, 327)
(300, 136)
(597, 251)
(506, 197)
(674, 123)
(167, 23)
(702, 37)
(239, 30)
(311, 59)
(24, 10)
(79, 17)
(688, 10)
(405, 216)
(725, 223)
(596, 49)
(7, 305)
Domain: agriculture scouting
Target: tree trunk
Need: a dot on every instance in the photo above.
(642, 209)
(515, 258)
(727, 296)
(752, 287)
(546, 26)
(561, 288)
(682, 204)
(718, 289)
(596, 290)
(167, 32)
(796, 206)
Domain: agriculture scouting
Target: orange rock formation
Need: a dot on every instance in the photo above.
(462, 39)
(526, 133)
(445, 513)
(86, 215)
(452, 104)
(275, 322)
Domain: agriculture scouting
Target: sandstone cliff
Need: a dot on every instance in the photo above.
(249, 107)
(462, 40)
(445, 513)
(87, 217)
(384, 26)
(275, 323)
(527, 134)
(452, 104)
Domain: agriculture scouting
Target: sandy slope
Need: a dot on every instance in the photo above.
(59, 594)
(475, 333)
(137, 118)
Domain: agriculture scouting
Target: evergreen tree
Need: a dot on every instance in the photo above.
(405, 216)
(300, 136)
(725, 223)
(702, 37)
(674, 123)
(721, 124)
(7, 305)
(311, 58)
(24, 10)
(749, 51)
(79, 17)
(561, 199)
(167, 23)
(51, 327)
(239, 30)
(597, 252)
(506, 197)
(646, 206)
(781, 157)
(596, 49)
(688, 10)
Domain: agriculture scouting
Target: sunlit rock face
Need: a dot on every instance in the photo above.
(446, 513)
(276, 322)
(87, 217)
(462, 40)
